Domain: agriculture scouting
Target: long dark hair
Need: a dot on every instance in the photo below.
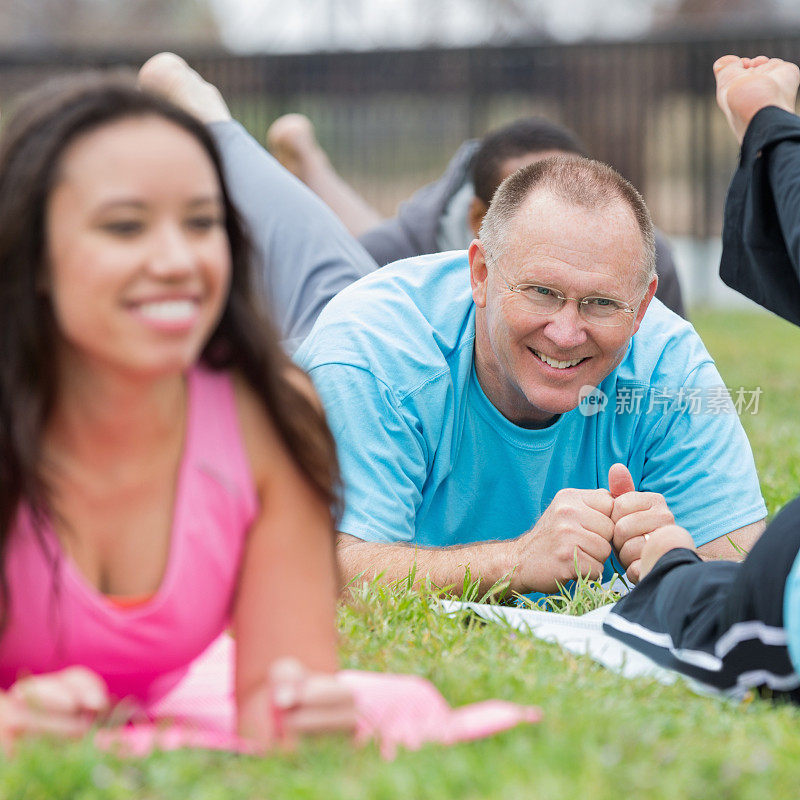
(31, 148)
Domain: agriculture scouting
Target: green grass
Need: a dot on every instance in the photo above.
(600, 737)
(753, 350)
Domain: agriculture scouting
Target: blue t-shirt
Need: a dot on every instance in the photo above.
(427, 458)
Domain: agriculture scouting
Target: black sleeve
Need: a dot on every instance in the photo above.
(672, 597)
(761, 230)
(704, 620)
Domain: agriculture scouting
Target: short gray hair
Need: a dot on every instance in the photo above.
(579, 181)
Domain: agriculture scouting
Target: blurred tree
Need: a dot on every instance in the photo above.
(302, 25)
(726, 14)
(514, 18)
(103, 23)
(713, 11)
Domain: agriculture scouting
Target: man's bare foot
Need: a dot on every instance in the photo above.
(171, 77)
(746, 85)
(292, 141)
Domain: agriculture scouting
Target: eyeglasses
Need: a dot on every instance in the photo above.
(596, 310)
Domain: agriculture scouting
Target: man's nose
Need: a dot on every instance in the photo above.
(566, 328)
(172, 254)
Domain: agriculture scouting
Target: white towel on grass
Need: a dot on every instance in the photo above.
(582, 635)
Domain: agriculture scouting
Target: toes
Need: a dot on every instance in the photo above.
(725, 61)
(288, 129)
(168, 75)
(161, 71)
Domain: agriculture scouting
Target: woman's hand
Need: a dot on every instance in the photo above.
(64, 703)
(660, 541)
(296, 702)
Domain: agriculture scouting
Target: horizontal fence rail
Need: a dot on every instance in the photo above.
(390, 120)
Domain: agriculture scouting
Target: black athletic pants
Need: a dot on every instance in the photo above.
(719, 622)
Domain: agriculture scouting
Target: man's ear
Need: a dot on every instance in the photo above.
(478, 272)
(651, 290)
(475, 214)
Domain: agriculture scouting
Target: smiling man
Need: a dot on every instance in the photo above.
(455, 387)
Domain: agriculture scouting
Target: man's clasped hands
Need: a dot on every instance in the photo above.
(581, 527)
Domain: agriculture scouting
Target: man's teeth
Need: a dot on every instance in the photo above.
(557, 364)
(169, 310)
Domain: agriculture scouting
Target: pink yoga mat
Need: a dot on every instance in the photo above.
(393, 709)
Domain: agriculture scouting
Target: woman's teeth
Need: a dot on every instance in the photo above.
(169, 310)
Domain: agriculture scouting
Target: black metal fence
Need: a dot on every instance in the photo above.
(391, 120)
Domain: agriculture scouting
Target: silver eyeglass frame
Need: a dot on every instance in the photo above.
(614, 320)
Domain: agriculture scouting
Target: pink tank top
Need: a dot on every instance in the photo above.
(58, 619)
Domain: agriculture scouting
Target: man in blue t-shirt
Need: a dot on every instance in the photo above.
(482, 401)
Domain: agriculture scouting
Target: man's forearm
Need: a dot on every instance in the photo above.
(446, 567)
(733, 546)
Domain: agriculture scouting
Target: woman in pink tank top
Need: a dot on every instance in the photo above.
(165, 471)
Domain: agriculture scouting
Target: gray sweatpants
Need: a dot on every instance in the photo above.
(304, 255)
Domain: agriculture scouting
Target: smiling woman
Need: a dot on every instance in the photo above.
(139, 266)
(164, 470)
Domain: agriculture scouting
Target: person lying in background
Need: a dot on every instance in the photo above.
(737, 626)
(165, 470)
(446, 214)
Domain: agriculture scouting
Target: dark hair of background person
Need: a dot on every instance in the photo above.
(520, 138)
(46, 122)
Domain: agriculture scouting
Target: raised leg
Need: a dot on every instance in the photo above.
(292, 140)
(304, 254)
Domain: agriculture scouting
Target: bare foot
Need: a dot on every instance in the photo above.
(746, 85)
(292, 141)
(168, 75)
